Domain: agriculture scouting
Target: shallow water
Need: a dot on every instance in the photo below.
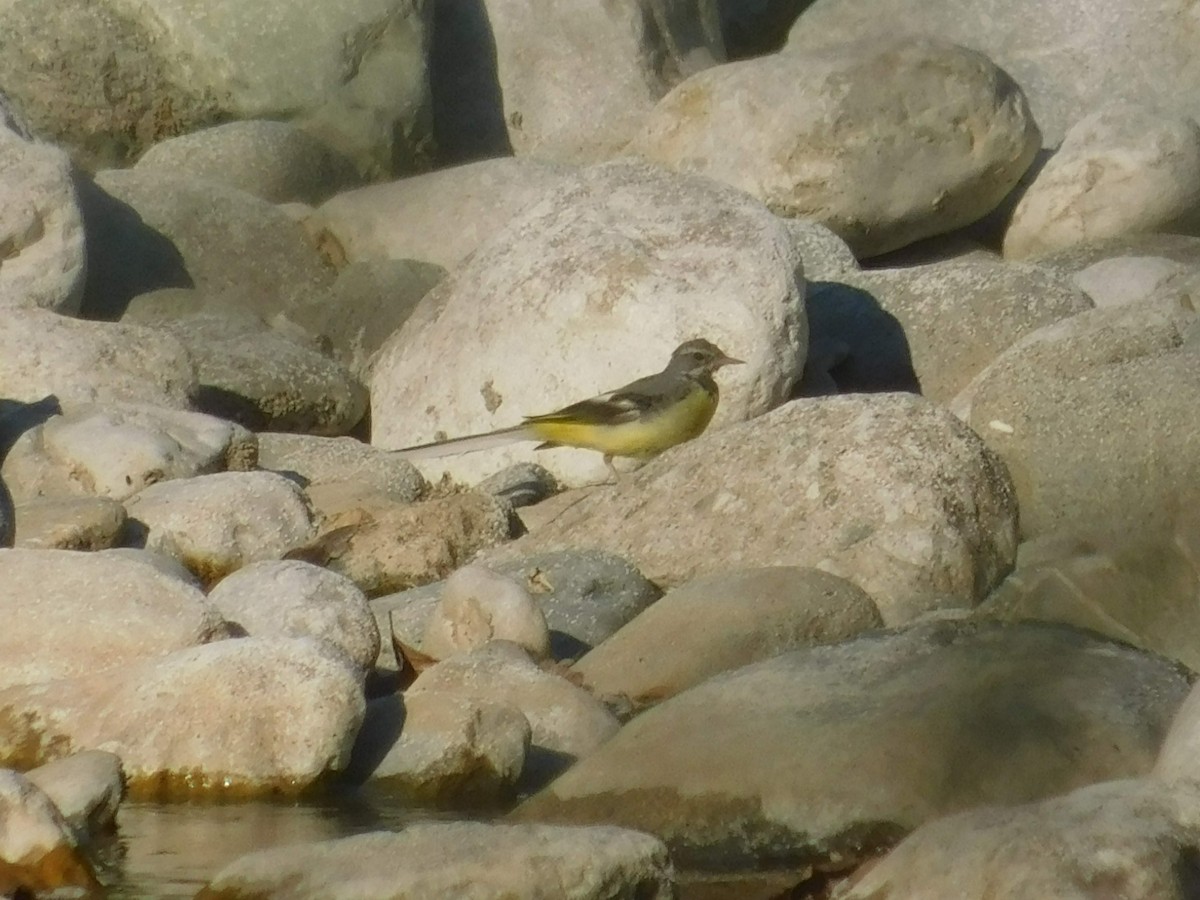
(173, 850)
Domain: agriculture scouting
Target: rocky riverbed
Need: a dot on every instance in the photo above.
(917, 616)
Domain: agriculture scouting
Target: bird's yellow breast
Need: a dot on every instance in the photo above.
(651, 433)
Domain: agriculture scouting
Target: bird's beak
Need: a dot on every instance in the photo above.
(729, 361)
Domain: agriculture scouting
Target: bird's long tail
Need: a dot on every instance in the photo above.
(469, 444)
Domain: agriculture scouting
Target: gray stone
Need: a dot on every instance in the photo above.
(276, 161)
(884, 140)
(1127, 279)
(521, 484)
(459, 859)
(820, 756)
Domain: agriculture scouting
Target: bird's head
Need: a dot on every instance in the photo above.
(700, 355)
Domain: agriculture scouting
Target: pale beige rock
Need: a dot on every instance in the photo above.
(885, 141)
(1127, 279)
(824, 754)
(885, 490)
(323, 460)
(273, 160)
(215, 524)
(564, 718)
(460, 859)
(940, 323)
(441, 750)
(87, 788)
(72, 614)
(1130, 837)
(78, 523)
(42, 353)
(610, 64)
(355, 75)
(391, 546)
(478, 605)
(1093, 417)
(1121, 169)
(37, 850)
(721, 622)
(447, 214)
(290, 598)
(607, 296)
(117, 449)
(1077, 56)
(234, 718)
(44, 260)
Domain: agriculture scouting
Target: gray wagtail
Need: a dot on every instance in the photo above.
(643, 418)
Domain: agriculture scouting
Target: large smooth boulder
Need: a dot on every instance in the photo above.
(490, 59)
(885, 141)
(44, 355)
(439, 217)
(886, 490)
(237, 718)
(1135, 835)
(1122, 169)
(574, 298)
(1051, 48)
(823, 755)
(354, 75)
(72, 614)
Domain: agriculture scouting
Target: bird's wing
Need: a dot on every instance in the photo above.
(467, 444)
(625, 405)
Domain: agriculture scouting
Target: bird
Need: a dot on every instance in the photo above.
(641, 419)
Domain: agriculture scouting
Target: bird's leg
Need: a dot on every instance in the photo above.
(608, 461)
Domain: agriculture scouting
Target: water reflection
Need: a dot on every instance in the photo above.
(173, 850)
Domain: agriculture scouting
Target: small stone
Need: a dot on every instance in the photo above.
(87, 788)
(478, 605)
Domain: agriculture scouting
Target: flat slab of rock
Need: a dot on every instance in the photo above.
(236, 718)
(77, 523)
(463, 859)
(72, 614)
(722, 622)
(885, 490)
(879, 735)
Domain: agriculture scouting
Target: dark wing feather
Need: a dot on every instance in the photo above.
(625, 405)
